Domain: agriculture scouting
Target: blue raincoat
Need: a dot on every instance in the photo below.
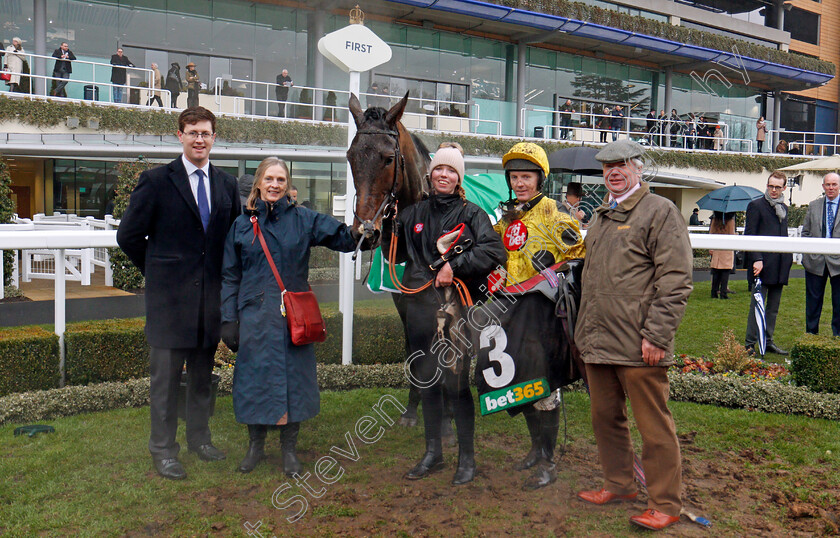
(272, 375)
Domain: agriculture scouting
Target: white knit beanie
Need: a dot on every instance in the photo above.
(451, 157)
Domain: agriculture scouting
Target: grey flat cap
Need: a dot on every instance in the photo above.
(620, 150)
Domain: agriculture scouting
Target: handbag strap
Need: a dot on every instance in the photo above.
(258, 234)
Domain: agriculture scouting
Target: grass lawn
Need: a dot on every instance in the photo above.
(93, 477)
(706, 318)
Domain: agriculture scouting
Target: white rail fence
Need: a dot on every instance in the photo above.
(60, 241)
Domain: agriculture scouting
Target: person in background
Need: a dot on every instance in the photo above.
(637, 276)
(782, 146)
(15, 56)
(566, 112)
(694, 219)
(281, 91)
(275, 382)
(768, 216)
(662, 126)
(293, 194)
(174, 231)
(722, 260)
(617, 121)
(603, 124)
(760, 133)
(821, 221)
(718, 137)
(174, 82)
(571, 207)
(193, 85)
(674, 128)
(62, 68)
(154, 93)
(650, 126)
(245, 182)
(119, 77)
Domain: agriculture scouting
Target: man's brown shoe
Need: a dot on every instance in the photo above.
(604, 497)
(654, 520)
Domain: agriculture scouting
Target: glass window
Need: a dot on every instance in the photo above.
(803, 25)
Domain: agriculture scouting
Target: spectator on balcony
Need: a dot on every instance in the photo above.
(761, 132)
(617, 121)
(782, 146)
(14, 63)
(650, 125)
(329, 113)
(603, 124)
(193, 85)
(174, 82)
(707, 132)
(154, 94)
(718, 137)
(691, 130)
(662, 126)
(62, 68)
(281, 91)
(566, 118)
(118, 74)
(674, 128)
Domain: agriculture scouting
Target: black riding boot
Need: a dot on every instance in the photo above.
(431, 461)
(256, 448)
(532, 419)
(466, 463)
(545, 472)
(288, 441)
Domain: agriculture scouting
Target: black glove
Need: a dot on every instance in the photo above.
(230, 335)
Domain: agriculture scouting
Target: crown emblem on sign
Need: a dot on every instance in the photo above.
(357, 16)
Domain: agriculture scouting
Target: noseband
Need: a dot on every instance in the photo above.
(390, 201)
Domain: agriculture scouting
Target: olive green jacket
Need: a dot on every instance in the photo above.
(636, 280)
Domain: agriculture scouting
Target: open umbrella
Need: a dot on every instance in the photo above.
(729, 199)
(757, 307)
(826, 164)
(577, 160)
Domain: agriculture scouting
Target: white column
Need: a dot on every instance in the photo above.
(39, 66)
(346, 288)
(60, 318)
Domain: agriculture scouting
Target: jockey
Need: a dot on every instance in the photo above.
(535, 233)
(446, 242)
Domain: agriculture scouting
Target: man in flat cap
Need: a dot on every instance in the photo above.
(193, 85)
(638, 279)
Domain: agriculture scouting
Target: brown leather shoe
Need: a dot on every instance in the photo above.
(654, 520)
(603, 497)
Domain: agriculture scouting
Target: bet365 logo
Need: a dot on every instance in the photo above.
(499, 400)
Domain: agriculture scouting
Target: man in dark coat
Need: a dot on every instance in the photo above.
(617, 121)
(821, 221)
(281, 91)
(174, 231)
(62, 68)
(768, 216)
(118, 74)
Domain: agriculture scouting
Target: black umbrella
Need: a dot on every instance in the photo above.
(577, 160)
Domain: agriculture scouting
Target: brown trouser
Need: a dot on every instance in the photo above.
(647, 389)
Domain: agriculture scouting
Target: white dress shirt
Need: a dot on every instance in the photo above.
(193, 177)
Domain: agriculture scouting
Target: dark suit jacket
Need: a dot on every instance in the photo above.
(814, 226)
(762, 220)
(63, 66)
(118, 74)
(161, 233)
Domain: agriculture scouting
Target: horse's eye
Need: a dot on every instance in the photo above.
(389, 159)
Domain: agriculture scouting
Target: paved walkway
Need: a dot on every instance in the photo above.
(44, 290)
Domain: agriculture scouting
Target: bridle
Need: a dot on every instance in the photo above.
(387, 209)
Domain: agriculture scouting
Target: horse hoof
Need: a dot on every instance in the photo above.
(408, 422)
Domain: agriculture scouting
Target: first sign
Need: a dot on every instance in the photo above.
(354, 48)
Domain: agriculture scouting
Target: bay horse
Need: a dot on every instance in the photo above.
(390, 169)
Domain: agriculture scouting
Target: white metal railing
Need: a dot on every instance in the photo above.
(148, 74)
(805, 142)
(166, 96)
(430, 119)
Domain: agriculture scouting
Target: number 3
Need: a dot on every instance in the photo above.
(508, 368)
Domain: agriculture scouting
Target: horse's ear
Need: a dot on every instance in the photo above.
(356, 110)
(396, 112)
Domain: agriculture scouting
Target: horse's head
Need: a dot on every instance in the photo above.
(375, 158)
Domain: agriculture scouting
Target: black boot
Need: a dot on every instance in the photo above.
(256, 448)
(545, 472)
(466, 464)
(288, 436)
(533, 422)
(431, 461)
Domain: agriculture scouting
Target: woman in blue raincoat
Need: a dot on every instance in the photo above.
(274, 382)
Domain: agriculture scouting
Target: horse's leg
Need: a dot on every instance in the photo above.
(409, 417)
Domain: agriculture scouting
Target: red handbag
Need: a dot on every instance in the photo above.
(5, 75)
(300, 308)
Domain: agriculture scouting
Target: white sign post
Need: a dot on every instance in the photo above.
(355, 49)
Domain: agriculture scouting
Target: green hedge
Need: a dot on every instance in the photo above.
(111, 350)
(29, 359)
(815, 363)
(377, 338)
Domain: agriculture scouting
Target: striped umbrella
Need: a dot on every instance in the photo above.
(758, 312)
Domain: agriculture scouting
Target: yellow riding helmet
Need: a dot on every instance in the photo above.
(528, 151)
